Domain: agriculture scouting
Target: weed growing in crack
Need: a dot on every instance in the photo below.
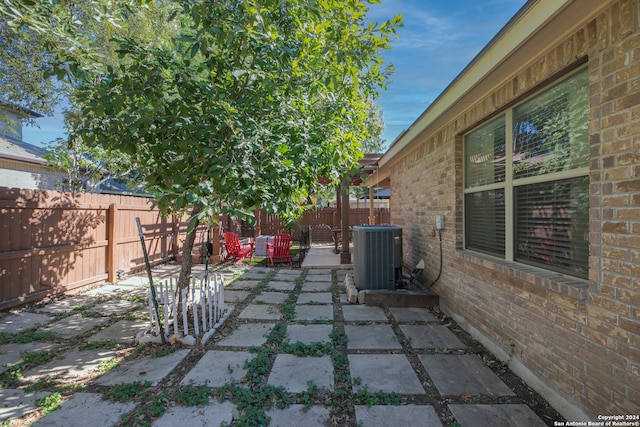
(27, 337)
(258, 367)
(126, 392)
(193, 396)
(316, 349)
(49, 403)
(41, 384)
(158, 406)
(35, 357)
(107, 365)
(94, 345)
(307, 396)
(338, 337)
(288, 308)
(366, 397)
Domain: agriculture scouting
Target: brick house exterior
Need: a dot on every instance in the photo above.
(576, 340)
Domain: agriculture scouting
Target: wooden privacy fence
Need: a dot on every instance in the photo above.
(321, 222)
(55, 242)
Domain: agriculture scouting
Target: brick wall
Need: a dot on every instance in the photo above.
(577, 341)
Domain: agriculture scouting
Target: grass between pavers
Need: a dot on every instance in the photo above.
(255, 397)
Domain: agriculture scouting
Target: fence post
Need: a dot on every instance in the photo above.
(111, 244)
(372, 217)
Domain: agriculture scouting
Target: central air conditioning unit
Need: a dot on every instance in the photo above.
(377, 256)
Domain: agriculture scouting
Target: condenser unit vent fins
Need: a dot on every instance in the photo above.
(377, 256)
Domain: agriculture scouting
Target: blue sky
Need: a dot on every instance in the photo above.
(438, 40)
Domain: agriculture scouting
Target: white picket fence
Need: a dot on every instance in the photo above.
(202, 303)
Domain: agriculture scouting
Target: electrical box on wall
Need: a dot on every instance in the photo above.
(439, 222)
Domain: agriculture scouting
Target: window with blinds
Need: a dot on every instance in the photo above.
(551, 225)
(526, 181)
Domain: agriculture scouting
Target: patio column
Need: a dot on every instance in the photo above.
(338, 223)
(345, 255)
(372, 218)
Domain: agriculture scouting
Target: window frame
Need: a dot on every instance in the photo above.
(509, 185)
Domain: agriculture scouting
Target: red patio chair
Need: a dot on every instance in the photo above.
(279, 250)
(237, 251)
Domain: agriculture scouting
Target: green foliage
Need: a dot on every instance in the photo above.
(366, 397)
(93, 345)
(28, 337)
(307, 396)
(246, 107)
(316, 349)
(36, 357)
(24, 65)
(193, 396)
(5, 338)
(288, 308)
(49, 403)
(40, 384)
(338, 337)
(107, 365)
(129, 391)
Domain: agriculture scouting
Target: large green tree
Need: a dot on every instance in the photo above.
(246, 108)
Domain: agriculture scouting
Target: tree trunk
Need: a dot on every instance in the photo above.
(187, 262)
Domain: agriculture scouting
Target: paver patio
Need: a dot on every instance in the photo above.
(367, 356)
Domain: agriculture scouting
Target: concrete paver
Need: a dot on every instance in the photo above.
(10, 354)
(107, 290)
(218, 367)
(65, 305)
(371, 337)
(231, 296)
(314, 297)
(256, 273)
(457, 374)
(507, 415)
(73, 365)
(152, 369)
(308, 334)
(243, 284)
(135, 281)
(299, 415)
(361, 313)
(279, 285)
(123, 331)
(316, 286)
(271, 297)
(248, 335)
(115, 307)
(213, 414)
(319, 276)
(17, 323)
(260, 311)
(314, 312)
(431, 337)
(287, 275)
(375, 359)
(72, 326)
(393, 416)
(294, 372)
(18, 403)
(412, 314)
(85, 407)
(388, 373)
